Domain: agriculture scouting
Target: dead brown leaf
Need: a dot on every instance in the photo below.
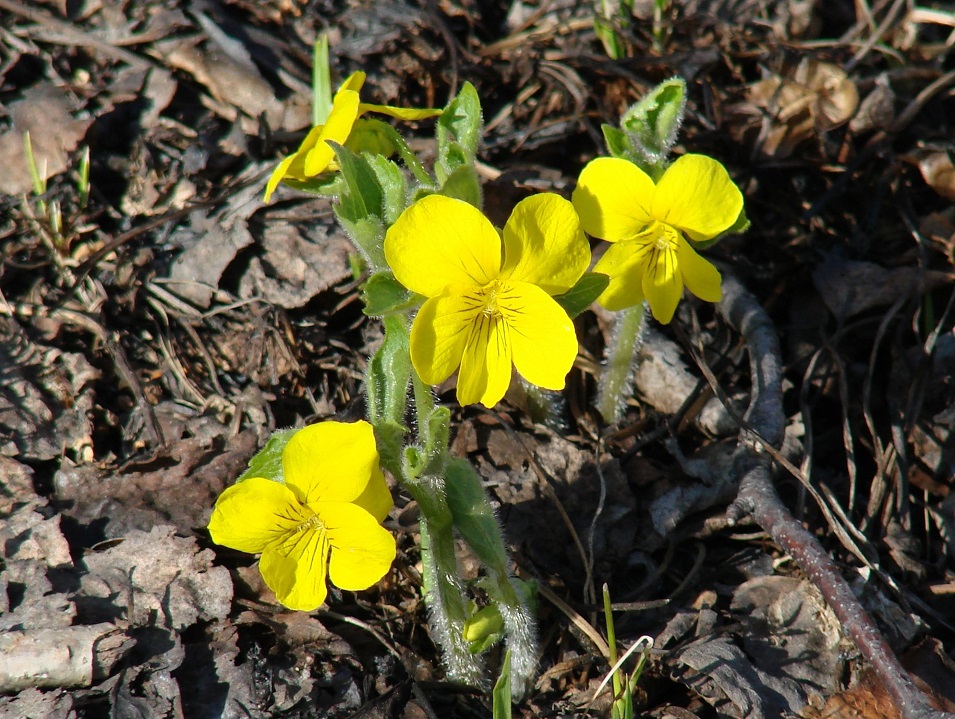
(159, 578)
(938, 171)
(46, 112)
(815, 97)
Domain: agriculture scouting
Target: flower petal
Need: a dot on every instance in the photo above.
(625, 264)
(278, 174)
(361, 549)
(613, 198)
(296, 568)
(376, 499)
(696, 195)
(542, 335)
(486, 365)
(337, 127)
(330, 461)
(544, 245)
(663, 280)
(700, 277)
(440, 241)
(440, 333)
(402, 113)
(252, 514)
(353, 82)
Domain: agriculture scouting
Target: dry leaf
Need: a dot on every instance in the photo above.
(816, 97)
(938, 171)
(158, 578)
(45, 112)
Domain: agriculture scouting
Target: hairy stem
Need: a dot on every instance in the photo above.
(616, 379)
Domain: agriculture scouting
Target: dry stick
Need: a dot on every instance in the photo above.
(758, 499)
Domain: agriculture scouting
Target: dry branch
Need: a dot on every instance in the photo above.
(758, 499)
(67, 657)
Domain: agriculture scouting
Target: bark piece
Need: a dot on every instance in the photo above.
(63, 657)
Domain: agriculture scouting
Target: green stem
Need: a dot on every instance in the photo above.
(474, 519)
(616, 380)
(443, 590)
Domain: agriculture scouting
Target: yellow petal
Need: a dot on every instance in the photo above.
(625, 264)
(613, 198)
(663, 280)
(544, 245)
(361, 549)
(439, 334)
(700, 277)
(337, 127)
(486, 365)
(353, 82)
(330, 461)
(296, 568)
(696, 195)
(541, 334)
(376, 499)
(250, 515)
(440, 241)
(402, 113)
(278, 174)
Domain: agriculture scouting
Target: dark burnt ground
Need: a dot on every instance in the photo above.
(147, 349)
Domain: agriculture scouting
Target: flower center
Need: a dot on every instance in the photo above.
(312, 523)
(492, 292)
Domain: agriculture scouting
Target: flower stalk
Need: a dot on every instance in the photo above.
(615, 384)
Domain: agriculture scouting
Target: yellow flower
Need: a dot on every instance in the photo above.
(325, 520)
(314, 156)
(484, 311)
(652, 259)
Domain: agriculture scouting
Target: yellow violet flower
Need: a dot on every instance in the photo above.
(649, 223)
(325, 520)
(314, 156)
(490, 302)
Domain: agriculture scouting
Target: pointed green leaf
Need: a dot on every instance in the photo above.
(384, 295)
(579, 297)
(393, 185)
(473, 517)
(268, 462)
(463, 184)
(364, 196)
(501, 695)
(617, 141)
(654, 121)
(458, 132)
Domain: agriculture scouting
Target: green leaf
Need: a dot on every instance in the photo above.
(654, 121)
(618, 143)
(463, 184)
(579, 297)
(473, 517)
(364, 196)
(501, 695)
(268, 462)
(458, 132)
(384, 295)
(607, 34)
(436, 436)
(367, 234)
(328, 184)
(393, 186)
(388, 375)
(393, 139)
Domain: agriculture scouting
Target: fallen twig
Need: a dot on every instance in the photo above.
(66, 657)
(757, 498)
